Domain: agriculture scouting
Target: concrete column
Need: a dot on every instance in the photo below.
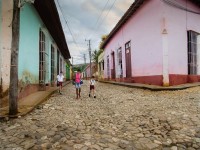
(198, 55)
(165, 58)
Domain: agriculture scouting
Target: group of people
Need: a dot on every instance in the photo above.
(77, 79)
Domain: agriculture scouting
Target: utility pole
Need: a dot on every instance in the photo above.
(72, 65)
(90, 57)
(13, 89)
(84, 59)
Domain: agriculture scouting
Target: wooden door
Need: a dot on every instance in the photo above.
(113, 70)
(128, 60)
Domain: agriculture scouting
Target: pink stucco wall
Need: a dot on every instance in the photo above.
(87, 71)
(153, 51)
(178, 22)
(143, 29)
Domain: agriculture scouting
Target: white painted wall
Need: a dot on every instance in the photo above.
(6, 38)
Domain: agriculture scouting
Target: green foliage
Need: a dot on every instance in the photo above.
(81, 67)
(95, 55)
(103, 38)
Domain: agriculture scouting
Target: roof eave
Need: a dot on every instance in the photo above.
(49, 15)
(132, 9)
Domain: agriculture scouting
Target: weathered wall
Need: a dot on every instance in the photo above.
(5, 44)
(30, 25)
(28, 73)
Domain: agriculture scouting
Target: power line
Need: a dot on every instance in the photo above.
(75, 18)
(67, 24)
(101, 13)
(106, 14)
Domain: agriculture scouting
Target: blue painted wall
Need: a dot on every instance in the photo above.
(30, 25)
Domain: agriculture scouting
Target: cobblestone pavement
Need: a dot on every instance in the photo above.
(119, 118)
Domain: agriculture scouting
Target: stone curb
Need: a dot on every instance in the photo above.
(31, 108)
(153, 87)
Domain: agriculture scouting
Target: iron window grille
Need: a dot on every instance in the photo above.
(108, 67)
(42, 58)
(192, 52)
(119, 51)
(52, 63)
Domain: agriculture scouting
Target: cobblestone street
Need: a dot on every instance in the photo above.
(119, 118)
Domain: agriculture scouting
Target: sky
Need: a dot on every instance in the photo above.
(85, 20)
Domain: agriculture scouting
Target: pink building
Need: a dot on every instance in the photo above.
(155, 42)
(86, 71)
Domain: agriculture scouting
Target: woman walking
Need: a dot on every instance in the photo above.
(78, 84)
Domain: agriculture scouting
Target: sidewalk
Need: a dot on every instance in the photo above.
(154, 87)
(28, 103)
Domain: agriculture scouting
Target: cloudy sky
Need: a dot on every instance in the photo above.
(88, 19)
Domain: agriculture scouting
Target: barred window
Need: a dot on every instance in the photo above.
(61, 64)
(108, 67)
(58, 56)
(42, 57)
(52, 63)
(192, 52)
(120, 61)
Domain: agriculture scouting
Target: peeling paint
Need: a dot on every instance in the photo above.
(26, 80)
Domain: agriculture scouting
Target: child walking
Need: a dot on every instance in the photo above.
(92, 83)
(60, 78)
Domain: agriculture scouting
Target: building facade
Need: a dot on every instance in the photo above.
(155, 42)
(101, 66)
(43, 49)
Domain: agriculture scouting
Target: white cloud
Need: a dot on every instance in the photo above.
(81, 17)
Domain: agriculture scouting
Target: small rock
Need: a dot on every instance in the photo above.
(152, 145)
(157, 142)
(174, 148)
(140, 135)
(78, 146)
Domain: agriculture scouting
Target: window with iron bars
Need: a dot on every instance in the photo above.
(103, 65)
(52, 63)
(108, 67)
(42, 58)
(119, 52)
(192, 52)
(58, 56)
(61, 65)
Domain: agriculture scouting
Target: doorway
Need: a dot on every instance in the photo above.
(128, 59)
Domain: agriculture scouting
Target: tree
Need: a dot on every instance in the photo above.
(95, 55)
(103, 38)
(13, 89)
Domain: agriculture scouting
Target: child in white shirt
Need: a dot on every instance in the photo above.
(60, 79)
(92, 83)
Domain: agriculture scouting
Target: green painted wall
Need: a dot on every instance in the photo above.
(67, 72)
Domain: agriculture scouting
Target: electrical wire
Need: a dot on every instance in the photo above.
(101, 13)
(106, 15)
(173, 4)
(67, 24)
